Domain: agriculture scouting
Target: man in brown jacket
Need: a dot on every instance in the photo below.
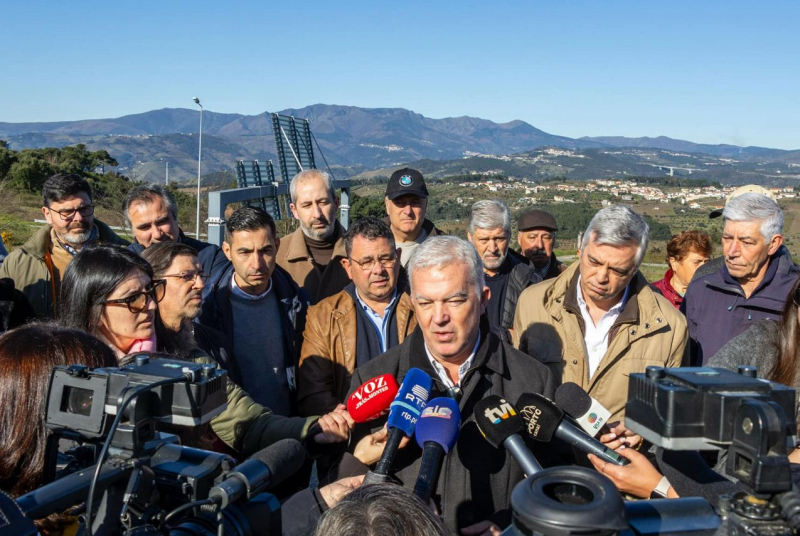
(599, 321)
(313, 253)
(362, 321)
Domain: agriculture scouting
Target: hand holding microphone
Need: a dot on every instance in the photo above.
(370, 448)
(544, 420)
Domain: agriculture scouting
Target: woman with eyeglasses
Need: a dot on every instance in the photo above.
(109, 292)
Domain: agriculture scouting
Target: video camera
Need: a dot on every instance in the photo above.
(696, 408)
(148, 473)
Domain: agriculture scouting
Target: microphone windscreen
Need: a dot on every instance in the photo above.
(541, 416)
(497, 419)
(283, 458)
(373, 398)
(440, 422)
(410, 401)
(572, 399)
(588, 413)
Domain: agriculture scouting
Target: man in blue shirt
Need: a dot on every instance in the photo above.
(371, 315)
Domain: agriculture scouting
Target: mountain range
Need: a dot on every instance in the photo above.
(352, 140)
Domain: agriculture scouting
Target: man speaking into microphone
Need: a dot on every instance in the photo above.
(454, 345)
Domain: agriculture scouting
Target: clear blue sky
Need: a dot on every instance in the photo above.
(709, 72)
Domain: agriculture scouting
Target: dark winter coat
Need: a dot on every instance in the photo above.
(476, 480)
(522, 276)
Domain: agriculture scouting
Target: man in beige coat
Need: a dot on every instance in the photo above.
(600, 321)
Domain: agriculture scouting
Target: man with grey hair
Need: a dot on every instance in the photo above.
(313, 253)
(152, 214)
(599, 321)
(752, 284)
(468, 362)
(507, 273)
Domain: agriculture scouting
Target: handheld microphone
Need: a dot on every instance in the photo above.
(500, 424)
(437, 432)
(264, 469)
(588, 413)
(545, 419)
(372, 399)
(403, 414)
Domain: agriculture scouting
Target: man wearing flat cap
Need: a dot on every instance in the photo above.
(406, 204)
(536, 236)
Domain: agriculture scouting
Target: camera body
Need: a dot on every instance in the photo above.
(148, 473)
(85, 401)
(696, 408)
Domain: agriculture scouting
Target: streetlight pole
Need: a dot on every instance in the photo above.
(199, 158)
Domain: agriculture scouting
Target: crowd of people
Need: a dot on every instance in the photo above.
(299, 322)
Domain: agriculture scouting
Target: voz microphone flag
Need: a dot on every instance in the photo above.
(373, 398)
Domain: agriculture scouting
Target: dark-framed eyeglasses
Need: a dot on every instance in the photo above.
(369, 264)
(137, 303)
(68, 214)
(796, 296)
(190, 277)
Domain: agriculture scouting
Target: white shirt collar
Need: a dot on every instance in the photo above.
(461, 370)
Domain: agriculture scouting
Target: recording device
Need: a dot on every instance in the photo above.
(150, 483)
(500, 423)
(263, 470)
(682, 408)
(404, 412)
(587, 412)
(84, 402)
(372, 399)
(437, 433)
(694, 408)
(544, 420)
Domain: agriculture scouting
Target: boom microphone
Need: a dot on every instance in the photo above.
(405, 410)
(372, 399)
(264, 469)
(588, 413)
(500, 424)
(545, 419)
(437, 432)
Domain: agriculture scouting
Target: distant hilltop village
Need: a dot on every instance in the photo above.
(624, 190)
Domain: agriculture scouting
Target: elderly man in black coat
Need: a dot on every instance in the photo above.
(454, 345)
